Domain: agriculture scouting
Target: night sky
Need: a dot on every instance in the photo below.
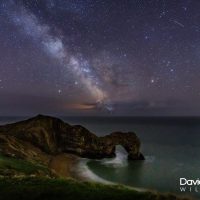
(100, 57)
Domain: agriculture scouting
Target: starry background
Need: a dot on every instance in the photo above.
(100, 57)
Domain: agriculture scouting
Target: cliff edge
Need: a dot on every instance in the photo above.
(37, 138)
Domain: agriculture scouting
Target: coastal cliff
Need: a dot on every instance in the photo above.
(36, 153)
(38, 138)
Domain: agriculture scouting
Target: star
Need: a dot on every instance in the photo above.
(152, 80)
(117, 53)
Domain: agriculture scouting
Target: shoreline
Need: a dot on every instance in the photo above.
(64, 165)
(71, 166)
(67, 165)
(85, 174)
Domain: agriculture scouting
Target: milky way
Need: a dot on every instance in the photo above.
(100, 57)
(54, 46)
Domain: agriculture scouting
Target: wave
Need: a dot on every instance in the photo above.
(119, 161)
(87, 174)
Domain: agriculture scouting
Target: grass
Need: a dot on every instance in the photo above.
(41, 188)
(62, 189)
(12, 165)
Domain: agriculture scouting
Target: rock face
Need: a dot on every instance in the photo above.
(38, 137)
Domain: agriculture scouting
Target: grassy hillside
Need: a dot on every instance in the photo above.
(59, 189)
(22, 180)
(18, 167)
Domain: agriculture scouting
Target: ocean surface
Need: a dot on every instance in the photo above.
(171, 146)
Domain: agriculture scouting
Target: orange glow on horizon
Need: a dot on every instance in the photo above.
(81, 106)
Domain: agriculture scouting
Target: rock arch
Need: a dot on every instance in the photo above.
(129, 141)
(52, 136)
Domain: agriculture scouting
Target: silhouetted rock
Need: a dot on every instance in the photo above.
(41, 136)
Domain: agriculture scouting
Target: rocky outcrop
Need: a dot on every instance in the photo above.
(41, 136)
(129, 141)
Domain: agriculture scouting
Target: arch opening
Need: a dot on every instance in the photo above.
(120, 159)
(120, 151)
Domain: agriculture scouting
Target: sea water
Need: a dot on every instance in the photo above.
(171, 146)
